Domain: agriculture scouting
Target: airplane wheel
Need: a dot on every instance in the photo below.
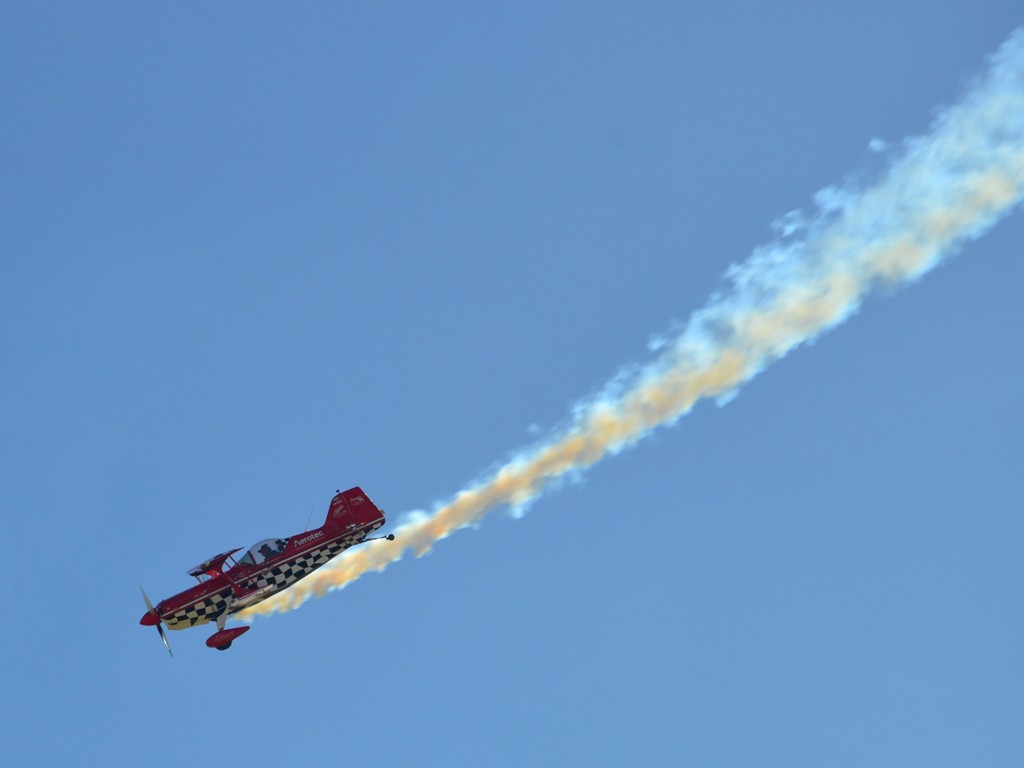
(224, 647)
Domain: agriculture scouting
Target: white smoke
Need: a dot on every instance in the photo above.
(940, 190)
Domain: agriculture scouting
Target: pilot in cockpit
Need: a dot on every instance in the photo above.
(267, 552)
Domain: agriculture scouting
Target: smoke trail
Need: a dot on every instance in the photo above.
(948, 186)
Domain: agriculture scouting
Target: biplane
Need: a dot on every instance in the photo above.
(226, 585)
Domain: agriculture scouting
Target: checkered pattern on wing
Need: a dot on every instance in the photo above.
(207, 609)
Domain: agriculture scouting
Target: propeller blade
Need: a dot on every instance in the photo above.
(159, 622)
(149, 605)
(160, 629)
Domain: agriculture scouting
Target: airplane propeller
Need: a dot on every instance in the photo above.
(157, 621)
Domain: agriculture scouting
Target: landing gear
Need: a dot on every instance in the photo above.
(222, 640)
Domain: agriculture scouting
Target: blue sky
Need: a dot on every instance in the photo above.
(256, 252)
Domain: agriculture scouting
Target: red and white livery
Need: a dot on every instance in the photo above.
(226, 585)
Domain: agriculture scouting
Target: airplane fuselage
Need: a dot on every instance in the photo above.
(269, 567)
(244, 586)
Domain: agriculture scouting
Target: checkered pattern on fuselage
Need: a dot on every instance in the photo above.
(284, 575)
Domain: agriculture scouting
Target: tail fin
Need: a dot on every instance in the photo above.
(353, 509)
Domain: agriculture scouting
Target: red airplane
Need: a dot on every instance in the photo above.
(226, 585)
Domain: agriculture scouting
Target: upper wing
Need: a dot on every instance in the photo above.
(213, 564)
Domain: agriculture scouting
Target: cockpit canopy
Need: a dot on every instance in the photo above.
(263, 550)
